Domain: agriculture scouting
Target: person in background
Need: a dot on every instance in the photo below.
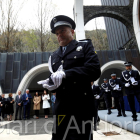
(2, 106)
(116, 91)
(36, 107)
(10, 108)
(131, 82)
(46, 104)
(105, 90)
(19, 106)
(53, 98)
(26, 97)
(96, 92)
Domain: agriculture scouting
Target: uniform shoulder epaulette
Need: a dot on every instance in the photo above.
(102, 84)
(84, 40)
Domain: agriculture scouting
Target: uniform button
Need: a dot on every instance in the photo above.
(62, 61)
(85, 93)
(75, 57)
(53, 63)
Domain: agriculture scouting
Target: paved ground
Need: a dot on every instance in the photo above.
(123, 122)
(39, 130)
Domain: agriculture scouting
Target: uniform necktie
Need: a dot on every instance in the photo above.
(64, 49)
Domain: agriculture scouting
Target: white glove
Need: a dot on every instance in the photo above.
(115, 88)
(97, 97)
(127, 85)
(58, 76)
(48, 86)
(135, 83)
(42, 82)
(119, 89)
(107, 90)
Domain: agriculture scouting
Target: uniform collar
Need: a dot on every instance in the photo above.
(72, 45)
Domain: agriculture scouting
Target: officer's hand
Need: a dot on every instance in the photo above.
(41, 82)
(119, 89)
(135, 83)
(58, 76)
(114, 88)
(48, 86)
(97, 97)
(127, 85)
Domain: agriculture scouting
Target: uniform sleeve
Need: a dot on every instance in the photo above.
(122, 81)
(138, 77)
(91, 68)
(99, 90)
(102, 92)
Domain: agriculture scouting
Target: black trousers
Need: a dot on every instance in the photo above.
(108, 101)
(26, 109)
(78, 130)
(96, 117)
(18, 111)
(46, 111)
(2, 112)
(119, 102)
(37, 113)
(131, 101)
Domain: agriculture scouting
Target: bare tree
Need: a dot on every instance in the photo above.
(9, 23)
(45, 12)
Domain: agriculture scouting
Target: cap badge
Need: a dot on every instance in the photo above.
(79, 48)
(54, 20)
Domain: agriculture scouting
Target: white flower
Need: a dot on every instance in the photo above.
(79, 48)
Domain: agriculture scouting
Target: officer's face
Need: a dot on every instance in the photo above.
(113, 77)
(64, 35)
(128, 68)
(91, 83)
(105, 81)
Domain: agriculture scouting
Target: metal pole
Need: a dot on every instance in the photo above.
(79, 19)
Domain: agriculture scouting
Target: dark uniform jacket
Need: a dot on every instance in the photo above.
(104, 88)
(112, 84)
(74, 95)
(96, 90)
(126, 78)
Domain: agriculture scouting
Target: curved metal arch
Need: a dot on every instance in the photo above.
(115, 15)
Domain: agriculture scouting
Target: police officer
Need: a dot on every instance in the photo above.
(73, 66)
(105, 90)
(97, 93)
(131, 81)
(116, 90)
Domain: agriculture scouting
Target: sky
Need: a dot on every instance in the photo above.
(65, 7)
